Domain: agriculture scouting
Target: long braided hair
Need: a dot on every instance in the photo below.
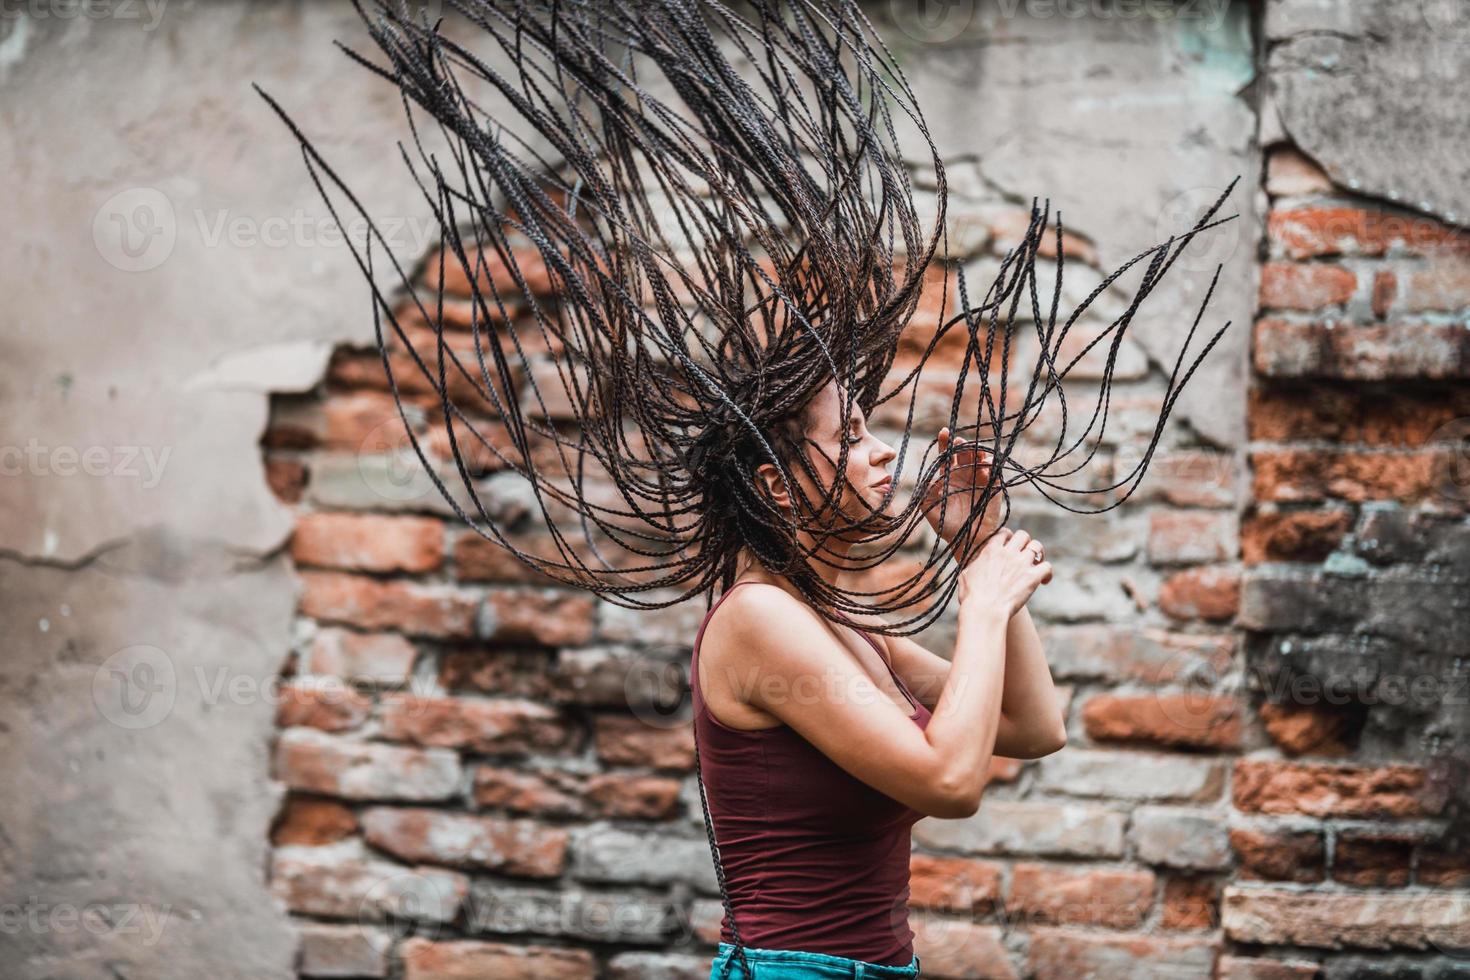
(676, 222)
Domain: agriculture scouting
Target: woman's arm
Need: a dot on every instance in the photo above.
(1031, 722)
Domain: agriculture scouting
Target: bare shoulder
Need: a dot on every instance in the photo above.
(758, 613)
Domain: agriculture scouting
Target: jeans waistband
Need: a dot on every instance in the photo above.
(861, 969)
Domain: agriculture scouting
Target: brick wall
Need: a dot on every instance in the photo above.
(482, 781)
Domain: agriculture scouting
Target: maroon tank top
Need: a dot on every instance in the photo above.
(814, 858)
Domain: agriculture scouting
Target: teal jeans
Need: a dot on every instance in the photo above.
(792, 964)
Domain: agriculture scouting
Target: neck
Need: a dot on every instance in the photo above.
(835, 552)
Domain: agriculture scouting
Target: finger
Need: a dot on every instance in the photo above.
(1020, 539)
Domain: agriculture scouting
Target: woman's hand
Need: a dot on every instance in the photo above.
(969, 470)
(1007, 570)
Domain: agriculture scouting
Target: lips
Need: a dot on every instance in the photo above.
(884, 483)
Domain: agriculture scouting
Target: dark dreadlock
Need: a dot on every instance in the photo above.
(721, 242)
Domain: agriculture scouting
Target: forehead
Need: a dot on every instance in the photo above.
(826, 406)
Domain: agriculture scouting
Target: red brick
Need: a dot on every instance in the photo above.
(1267, 786)
(544, 617)
(1297, 286)
(1193, 478)
(1312, 475)
(1385, 290)
(1254, 968)
(509, 846)
(332, 766)
(1302, 729)
(342, 950)
(342, 883)
(1190, 904)
(368, 542)
(1444, 866)
(1094, 897)
(1309, 232)
(491, 271)
(383, 658)
(633, 796)
(368, 603)
(953, 948)
(287, 479)
(525, 673)
(1211, 594)
(1292, 535)
(1361, 351)
(1187, 720)
(1372, 860)
(1442, 285)
(1332, 413)
(312, 821)
(549, 794)
(1181, 537)
(950, 884)
(1331, 920)
(1279, 855)
(356, 369)
(479, 560)
(627, 741)
(1290, 173)
(1067, 953)
(324, 703)
(424, 959)
(363, 420)
(501, 726)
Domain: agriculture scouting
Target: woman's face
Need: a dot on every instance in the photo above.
(868, 456)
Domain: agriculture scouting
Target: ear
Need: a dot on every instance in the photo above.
(768, 474)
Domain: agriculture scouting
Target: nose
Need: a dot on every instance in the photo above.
(884, 453)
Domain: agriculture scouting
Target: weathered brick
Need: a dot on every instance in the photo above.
(378, 658)
(1310, 475)
(949, 884)
(315, 762)
(491, 274)
(1279, 855)
(363, 419)
(633, 796)
(287, 479)
(547, 793)
(1176, 838)
(479, 560)
(1188, 720)
(1313, 231)
(1292, 535)
(343, 951)
(1094, 897)
(1015, 827)
(523, 672)
(1208, 593)
(368, 542)
(1301, 729)
(1193, 478)
(623, 740)
(372, 604)
(500, 726)
(510, 846)
(1290, 173)
(544, 616)
(1254, 968)
(1300, 286)
(1361, 351)
(617, 676)
(1190, 904)
(321, 702)
(311, 821)
(1267, 786)
(1444, 865)
(1385, 291)
(1145, 655)
(1372, 860)
(1181, 537)
(342, 882)
(596, 916)
(952, 949)
(658, 966)
(1331, 920)
(424, 959)
(1439, 285)
(1131, 775)
(706, 917)
(1059, 952)
(602, 853)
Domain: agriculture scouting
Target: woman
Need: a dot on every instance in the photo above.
(822, 744)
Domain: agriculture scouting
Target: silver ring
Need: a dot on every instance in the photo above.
(1035, 556)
